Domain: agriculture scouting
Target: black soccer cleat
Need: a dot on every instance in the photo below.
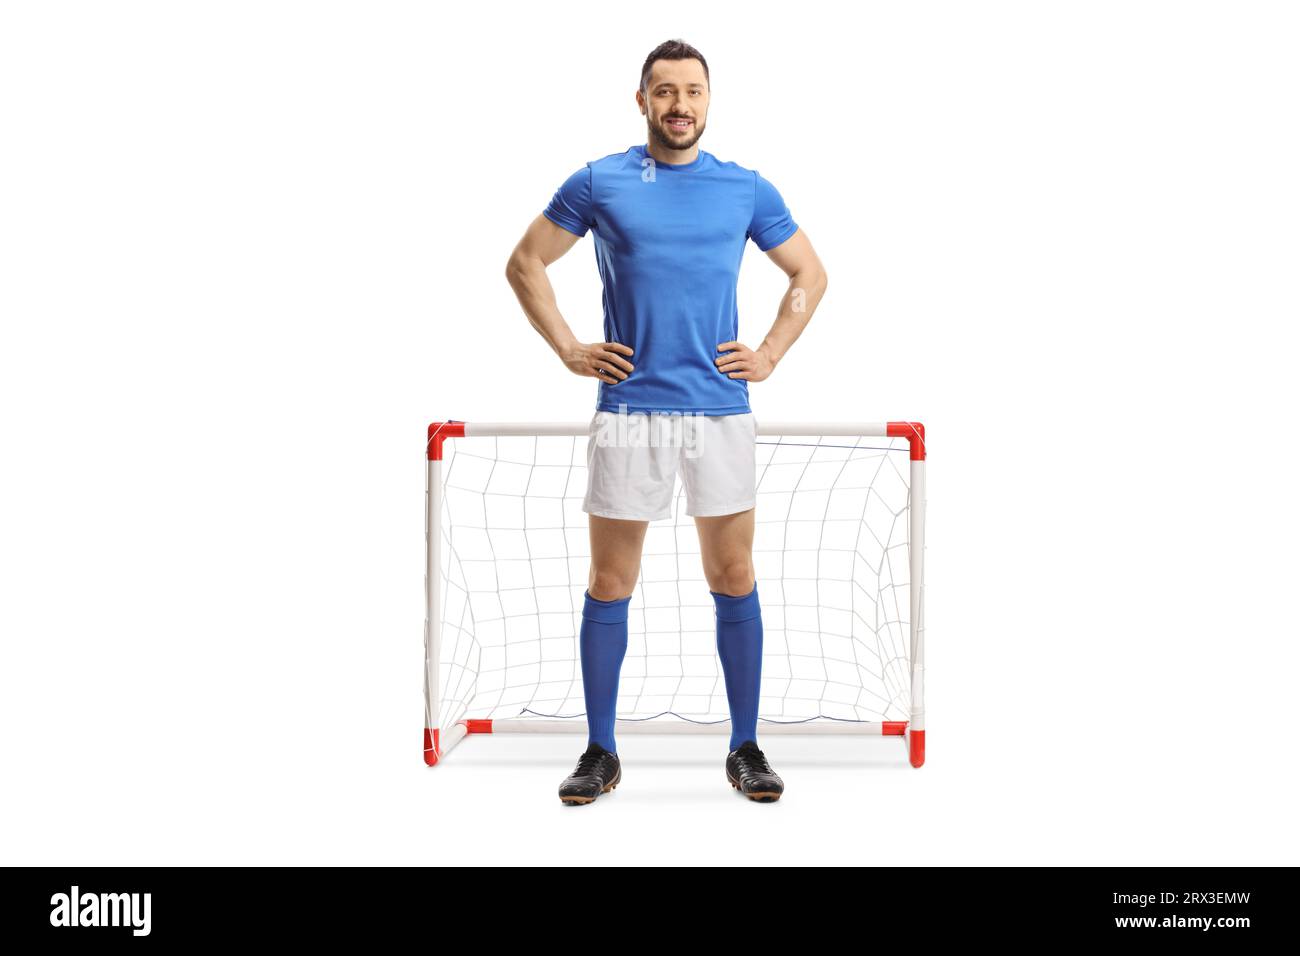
(598, 771)
(751, 774)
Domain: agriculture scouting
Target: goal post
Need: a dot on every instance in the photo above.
(839, 551)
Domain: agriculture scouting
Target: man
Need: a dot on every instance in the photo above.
(670, 222)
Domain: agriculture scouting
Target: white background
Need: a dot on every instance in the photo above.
(249, 250)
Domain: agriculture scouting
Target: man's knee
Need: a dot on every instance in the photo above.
(610, 585)
(735, 578)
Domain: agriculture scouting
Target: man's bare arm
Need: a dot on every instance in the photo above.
(542, 244)
(799, 261)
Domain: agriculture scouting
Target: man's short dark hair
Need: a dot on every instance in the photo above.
(672, 50)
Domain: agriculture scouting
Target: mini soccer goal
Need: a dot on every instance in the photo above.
(839, 547)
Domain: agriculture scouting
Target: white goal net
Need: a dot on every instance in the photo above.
(837, 557)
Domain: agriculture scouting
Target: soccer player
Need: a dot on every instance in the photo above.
(670, 222)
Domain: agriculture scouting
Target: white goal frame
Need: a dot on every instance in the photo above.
(439, 741)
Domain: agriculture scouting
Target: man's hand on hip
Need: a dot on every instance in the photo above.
(602, 360)
(743, 362)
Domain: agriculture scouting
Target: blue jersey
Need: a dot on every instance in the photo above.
(669, 241)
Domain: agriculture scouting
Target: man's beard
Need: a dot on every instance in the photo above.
(664, 139)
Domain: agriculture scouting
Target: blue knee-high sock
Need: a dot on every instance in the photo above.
(602, 642)
(740, 646)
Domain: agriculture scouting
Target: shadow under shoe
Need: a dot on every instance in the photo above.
(598, 771)
(750, 773)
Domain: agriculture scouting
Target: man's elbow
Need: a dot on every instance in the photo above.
(815, 282)
(515, 268)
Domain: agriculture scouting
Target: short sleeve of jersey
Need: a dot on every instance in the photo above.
(772, 223)
(570, 207)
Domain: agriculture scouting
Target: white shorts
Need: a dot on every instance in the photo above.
(633, 458)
